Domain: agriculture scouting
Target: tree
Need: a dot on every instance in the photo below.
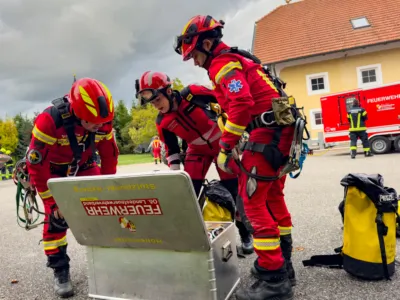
(143, 126)
(122, 119)
(177, 84)
(8, 135)
(24, 128)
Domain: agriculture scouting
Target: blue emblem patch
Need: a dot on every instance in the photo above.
(235, 86)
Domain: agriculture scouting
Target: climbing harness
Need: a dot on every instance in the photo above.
(284, 113)
(26, 198)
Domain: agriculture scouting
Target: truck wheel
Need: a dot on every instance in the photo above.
(396, 143)
(380, 145)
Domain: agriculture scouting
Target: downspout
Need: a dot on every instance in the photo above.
(254, 37)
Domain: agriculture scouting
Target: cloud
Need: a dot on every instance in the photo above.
(43, 42)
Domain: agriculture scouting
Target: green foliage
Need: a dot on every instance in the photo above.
(24, 127)
(122, 120)
(8, 135)
(177, 84)
(143, 126)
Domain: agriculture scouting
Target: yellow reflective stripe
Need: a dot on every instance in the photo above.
(234, 129)
(267, 80)
(367, 149)
(351, 122)
(99, 137)
(266, 244)
(51, 245)
(358, 120)
(285, 230)
(111, 106)
(358, 129)
(226, 69)
(364, 113)
(45, 195)
(43, 137)
(353, 147)
(109, 136)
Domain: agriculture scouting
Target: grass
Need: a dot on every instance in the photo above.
(131, 159)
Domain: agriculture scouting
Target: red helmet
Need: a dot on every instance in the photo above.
(189, 38)
(150, 84)
(91, 101)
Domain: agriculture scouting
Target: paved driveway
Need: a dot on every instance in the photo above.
(312, 199)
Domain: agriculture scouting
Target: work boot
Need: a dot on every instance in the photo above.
(62, 283)
(286, 246)
(368, 154)
(353, 154)
(272, 285)
(247, 244)
(245, 237)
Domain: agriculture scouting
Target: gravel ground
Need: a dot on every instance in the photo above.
(312, 199)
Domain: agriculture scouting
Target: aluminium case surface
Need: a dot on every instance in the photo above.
(168, 256)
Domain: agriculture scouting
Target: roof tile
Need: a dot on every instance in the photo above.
(312, 27)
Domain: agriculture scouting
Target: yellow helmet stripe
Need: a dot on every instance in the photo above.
(109, 96)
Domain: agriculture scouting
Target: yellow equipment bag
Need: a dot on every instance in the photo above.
(217, 203)
(214, 212)
(369, 212)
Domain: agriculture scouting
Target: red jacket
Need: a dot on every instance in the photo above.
(191, 123)
(50, 147)
(243, 91)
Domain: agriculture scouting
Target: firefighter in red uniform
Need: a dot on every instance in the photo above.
(179, 116)
(245, 92)
(64, 138)
(156, 145)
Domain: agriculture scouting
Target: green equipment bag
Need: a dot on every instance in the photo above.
(369, 231)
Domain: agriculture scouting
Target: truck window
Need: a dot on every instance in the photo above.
(349, 102)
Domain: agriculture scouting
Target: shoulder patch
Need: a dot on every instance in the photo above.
(34, 156)
(235, 86)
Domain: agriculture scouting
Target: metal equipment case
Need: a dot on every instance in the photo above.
(146, 239)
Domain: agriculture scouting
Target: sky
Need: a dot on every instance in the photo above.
(44, 42)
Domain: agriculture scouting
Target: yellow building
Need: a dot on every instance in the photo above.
(321, 47)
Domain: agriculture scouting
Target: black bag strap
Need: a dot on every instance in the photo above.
(382, 231)
(331, 261)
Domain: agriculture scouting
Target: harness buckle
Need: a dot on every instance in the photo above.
(265, 122)
(73, 169)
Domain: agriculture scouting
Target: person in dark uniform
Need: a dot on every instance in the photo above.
(358, 130)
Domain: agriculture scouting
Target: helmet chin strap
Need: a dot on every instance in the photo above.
(209, 54)
(170, 99)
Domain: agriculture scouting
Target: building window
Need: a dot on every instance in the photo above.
(369, 75)
(316, 119)
(317, 83)
(360, 23)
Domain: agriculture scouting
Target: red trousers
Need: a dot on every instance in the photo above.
(157, 153)
(265, 207)
(198, 161)
(54, 237)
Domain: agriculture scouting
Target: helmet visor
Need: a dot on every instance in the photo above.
(147, 95)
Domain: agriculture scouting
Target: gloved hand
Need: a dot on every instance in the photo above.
(226, 162)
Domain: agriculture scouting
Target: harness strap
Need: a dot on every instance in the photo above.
(69, 125)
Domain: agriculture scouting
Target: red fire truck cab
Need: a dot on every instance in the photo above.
(383, 108)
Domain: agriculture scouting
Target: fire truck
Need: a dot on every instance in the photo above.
(383, 108)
